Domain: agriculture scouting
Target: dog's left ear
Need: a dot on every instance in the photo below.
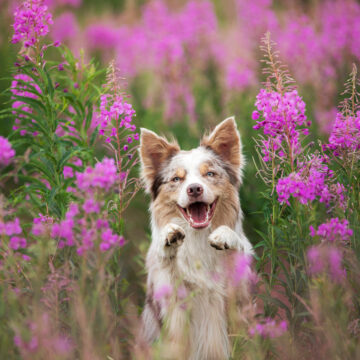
(224, 140)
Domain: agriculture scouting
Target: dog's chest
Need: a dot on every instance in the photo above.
(198, 264)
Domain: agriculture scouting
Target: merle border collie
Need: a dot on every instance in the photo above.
(196, 223)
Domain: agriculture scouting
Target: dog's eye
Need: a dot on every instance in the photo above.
(210, 173)
(176, 179)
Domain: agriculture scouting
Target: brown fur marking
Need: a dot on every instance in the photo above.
(181, 173)
(154, 151)
(225, 142)
(204, 168)
(227, 208)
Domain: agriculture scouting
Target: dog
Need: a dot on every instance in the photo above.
(196, 223)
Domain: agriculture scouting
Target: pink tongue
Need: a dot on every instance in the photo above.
(198, 212)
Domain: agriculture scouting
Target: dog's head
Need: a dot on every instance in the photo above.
(199, 186)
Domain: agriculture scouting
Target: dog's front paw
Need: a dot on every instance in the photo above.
(220, 238)
(174, 235)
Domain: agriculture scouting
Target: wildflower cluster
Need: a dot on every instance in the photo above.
(283, 115)
(344, 142)
(13, 238)
(102, 176)
(345, 135)
(115, 119)
(32, 21)
(86, 224)
(333, 230)
(306, 184)
(311, 178)
(112, 109)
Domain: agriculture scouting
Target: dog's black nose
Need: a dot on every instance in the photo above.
(195, 190)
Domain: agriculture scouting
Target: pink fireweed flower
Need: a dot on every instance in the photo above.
(334, 193)
(68, 172)
(103, 175)
(308, 183)
(73, 211)
(327, 260)
(32, 21)
(88, 238)
(39, 224)
(38, 228)
(334, 229)
(112, 109)
(6, 151)
(269, 328)
(109, 240)
(17, 242)
(26, 257)
(345, 135)
(11, 227)
(282, 116)
(90, 206)
(64, 231)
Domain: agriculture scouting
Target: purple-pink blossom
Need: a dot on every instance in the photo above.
(10, 227)
(103, 175)
(109, 240)
(114, 110)
(333, 230)
(91, 206)
(68, 172)
(345, 135)
(64, 231)
(17, 242)
(80, 230)
(31, 21)
(6, 151)
(282, 115)
(306, 184)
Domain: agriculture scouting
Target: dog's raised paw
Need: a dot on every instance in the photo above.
(174, 235)
(217, 239)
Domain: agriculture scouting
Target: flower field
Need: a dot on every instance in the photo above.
(79, 78)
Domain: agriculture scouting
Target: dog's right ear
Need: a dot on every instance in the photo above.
(154, 151)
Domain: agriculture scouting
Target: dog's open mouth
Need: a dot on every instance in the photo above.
(199, 214)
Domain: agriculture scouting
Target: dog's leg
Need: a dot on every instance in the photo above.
(159, 262)
(166, 243)
(224, 238)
